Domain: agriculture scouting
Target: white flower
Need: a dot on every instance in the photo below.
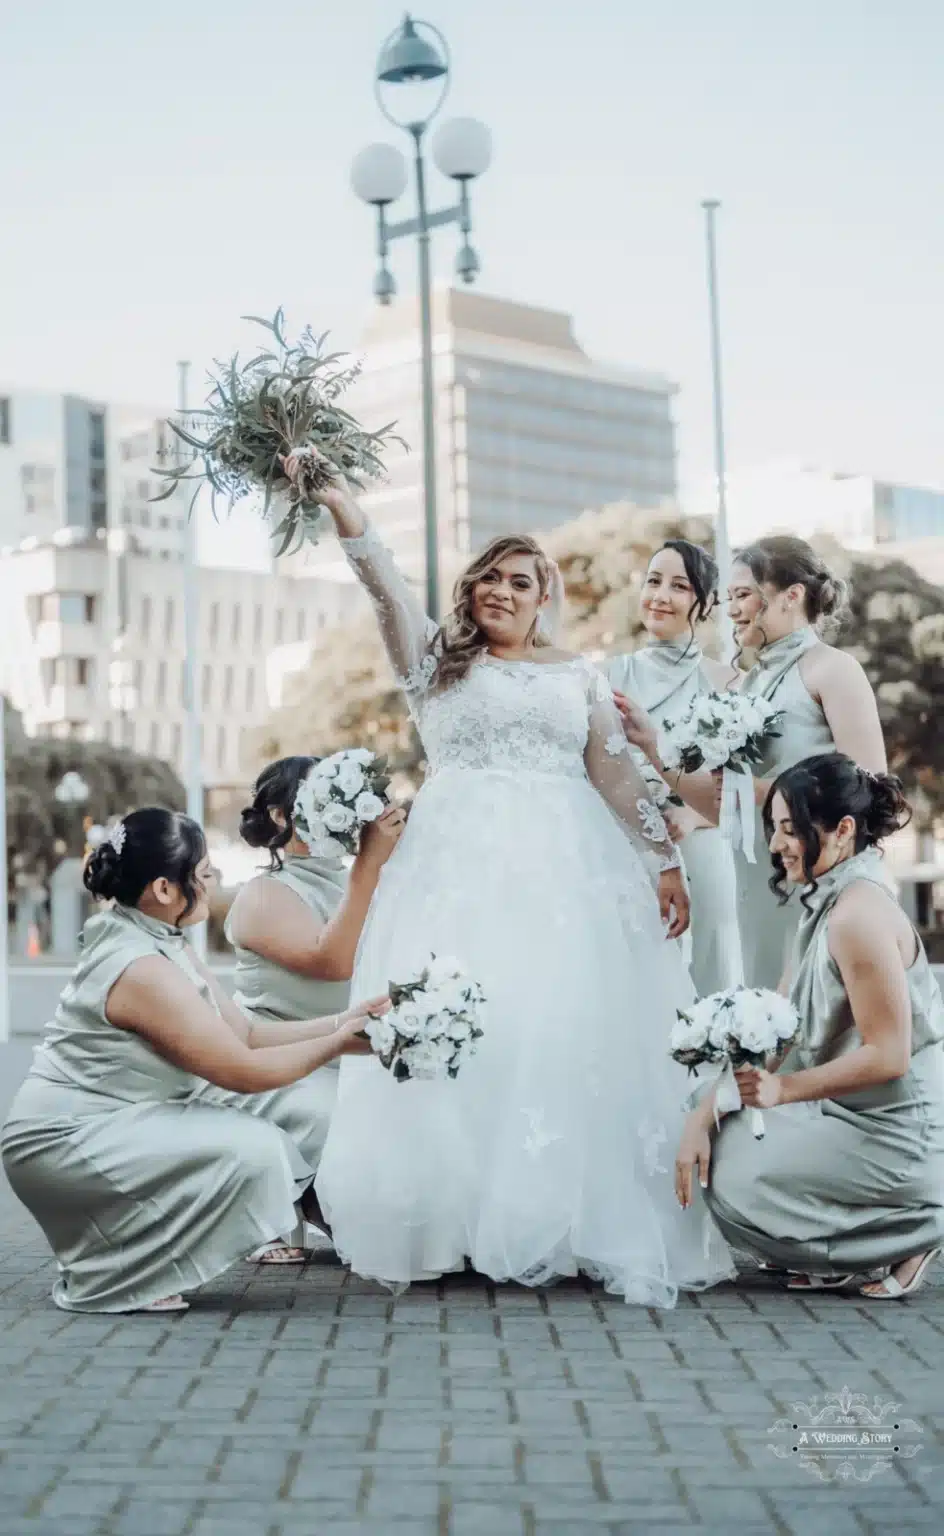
(327, 768)
(442, 968)
(690, 1034)
(429, 1058)
(318, 792)
(381, 1034)
(337, 817)
(449, 997)
(350, 779)
(362, 755)
(367, 807)
(459, 1029)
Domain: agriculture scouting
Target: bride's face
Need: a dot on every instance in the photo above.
(507, 599)
(668, 597)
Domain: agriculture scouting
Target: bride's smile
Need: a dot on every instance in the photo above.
(506, 601)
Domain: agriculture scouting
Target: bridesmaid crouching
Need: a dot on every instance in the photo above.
(849, 1178)
(143, 1188)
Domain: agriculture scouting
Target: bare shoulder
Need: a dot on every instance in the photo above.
(826, 663)
(866, 922)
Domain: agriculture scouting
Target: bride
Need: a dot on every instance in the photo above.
(531, 855)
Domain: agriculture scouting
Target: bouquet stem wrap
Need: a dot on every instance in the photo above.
(737, 810)
(728, 1101)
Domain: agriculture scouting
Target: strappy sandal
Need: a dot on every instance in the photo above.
(277, 1253)
(166, 1304)
(820, 1282)
(893, 1290)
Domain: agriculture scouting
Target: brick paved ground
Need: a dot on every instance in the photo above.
(300, 1403)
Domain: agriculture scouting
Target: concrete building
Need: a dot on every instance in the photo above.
(91, 586)
(530, 430)
(858, 510)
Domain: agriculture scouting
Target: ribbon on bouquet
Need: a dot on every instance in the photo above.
(737, 810)
(728, 1101)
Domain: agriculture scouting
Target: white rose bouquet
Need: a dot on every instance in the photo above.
(726, 731)
(340, 796)
(736, 1028)
(433, 1025)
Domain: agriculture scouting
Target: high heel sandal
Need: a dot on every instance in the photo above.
(893, 1290)
(277, 1253)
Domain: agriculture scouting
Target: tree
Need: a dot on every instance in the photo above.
(896, 630)
(40, 830)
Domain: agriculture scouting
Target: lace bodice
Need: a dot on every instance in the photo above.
(554, 717)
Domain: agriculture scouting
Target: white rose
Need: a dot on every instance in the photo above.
(428, 1059)
(689, 1035)
(319, 792)
(381, 1034)
(442, 968)
(368, 807)
(350, 780)
(407, 1021)
(338, 818)
(326, 769)
(459, 1029)
(362, 755)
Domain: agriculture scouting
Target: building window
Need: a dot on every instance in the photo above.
(89, 603)
(39, 487)
(145, 618)
(221, 746)
(177, 739)
(279, 626)
(251, 688)
(257, 626)
(169, 620)
(228, 680)
(155, 741)
(300, 625)
(237, 623)
(83, 671)
(6, 435)
(214, 623)
(138, 675)
(97, 434)
(160, 686)
(207, 684)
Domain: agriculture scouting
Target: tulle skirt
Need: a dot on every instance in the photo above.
(552, 1152)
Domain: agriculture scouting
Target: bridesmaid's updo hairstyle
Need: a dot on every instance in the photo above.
(819, 792)
(782, 561)
(147, 845)
(274, 790)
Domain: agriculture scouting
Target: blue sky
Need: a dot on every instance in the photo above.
(167, 168)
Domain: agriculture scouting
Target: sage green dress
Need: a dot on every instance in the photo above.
(142, 1188)
(267, 991)
(851, 1184)
(767, 929)
(664, 679)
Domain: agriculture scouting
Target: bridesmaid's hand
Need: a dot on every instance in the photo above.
(349, 1030)
(758, 1088)
(381, 837)
(636, 725)
(674, 904)
(694, 1152)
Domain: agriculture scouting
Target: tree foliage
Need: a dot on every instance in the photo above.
(40, 830)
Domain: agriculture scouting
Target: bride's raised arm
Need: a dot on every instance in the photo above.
(612, 770)
(406, 631)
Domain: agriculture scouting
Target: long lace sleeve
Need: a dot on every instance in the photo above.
(613, 772)
(407, 633)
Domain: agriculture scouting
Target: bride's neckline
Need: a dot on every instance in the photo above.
(526, 661)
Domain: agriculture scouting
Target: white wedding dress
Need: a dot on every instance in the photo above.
(553, 1149)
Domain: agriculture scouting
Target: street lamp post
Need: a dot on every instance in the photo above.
(416, 56)
(192, 753)
(722, 540)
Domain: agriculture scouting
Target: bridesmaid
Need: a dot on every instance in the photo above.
(849, 1177)
(295, 931)
(781, 594)
(679, 595)
(143, 1189)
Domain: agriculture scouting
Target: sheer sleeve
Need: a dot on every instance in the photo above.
(614, 774)
(408, 635)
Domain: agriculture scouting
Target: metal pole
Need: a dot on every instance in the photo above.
(429, 418)
(722, 542)
(4, 937)
(192, 754)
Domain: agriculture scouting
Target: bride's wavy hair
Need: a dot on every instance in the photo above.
(461, 642)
